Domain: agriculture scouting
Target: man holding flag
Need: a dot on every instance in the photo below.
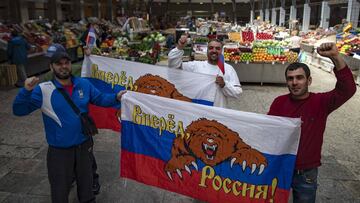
(226, 76)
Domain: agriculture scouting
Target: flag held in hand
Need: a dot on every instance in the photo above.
(221, 63)
(91, 38)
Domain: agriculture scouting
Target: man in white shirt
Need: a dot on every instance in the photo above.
(228, 81)
(295, 41)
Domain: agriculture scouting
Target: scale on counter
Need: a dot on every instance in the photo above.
(204, 30)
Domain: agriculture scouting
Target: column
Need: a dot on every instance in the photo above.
(79, 8)
(252, 16)
(24, 12)
(212, 7)
(282, 13)
(282, 17)
(96, 8)
(262, 10)
(234, 10)
(252, 12)
(109, 10)
(267, 15)
(292, 12)
(267, 12)
(54, 10)
(13, 11)
(306, 18)
(325, 15)
(273, 16)
(353, 12)
(273, 12)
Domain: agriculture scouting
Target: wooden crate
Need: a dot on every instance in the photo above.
(8, 75)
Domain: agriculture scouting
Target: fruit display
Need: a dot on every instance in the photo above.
(108, 43)
(120, 41)
(71, 39)
(201, 40)
(260, 54)
(260, 57)
(234, 36)
(291, 57)
(270, 43)
(275, 50)
(259, 50)
(280, 58)
(270, 54)
(247, 36)
(246, 57)
(122, 51)
(154, 37)
(349, 46)
(231, 54)
(263, 36)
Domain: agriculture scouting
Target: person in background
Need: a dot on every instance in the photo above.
(17, 53)
(228, 80)
(295, 41)
(69, 151)
(313, 109)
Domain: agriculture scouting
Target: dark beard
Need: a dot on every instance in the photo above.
(62, 77)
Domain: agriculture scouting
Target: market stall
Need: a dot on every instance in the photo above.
(348, 43)
(260, 72)
(261, 61)
(40, 34)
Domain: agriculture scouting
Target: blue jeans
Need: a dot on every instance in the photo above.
(304, 185)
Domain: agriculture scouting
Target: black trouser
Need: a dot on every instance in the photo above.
(94, 165)
(65, 164)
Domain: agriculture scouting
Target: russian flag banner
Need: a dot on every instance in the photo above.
(91, 38)
(221, 63)
(112, 75)
(208, 153)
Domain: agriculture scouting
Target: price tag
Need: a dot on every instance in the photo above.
(236, 62)
(247, 62)
(273, 62)
(283, 62)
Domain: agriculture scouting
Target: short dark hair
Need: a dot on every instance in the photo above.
(14, 33)
(296, 65)
(215, 40)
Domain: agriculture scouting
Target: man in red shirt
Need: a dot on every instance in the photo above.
(313, 109)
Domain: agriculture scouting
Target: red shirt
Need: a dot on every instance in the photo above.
(69, 88)
(314, 111)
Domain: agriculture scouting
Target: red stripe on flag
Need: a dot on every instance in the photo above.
(105, 118)
(221, 63)
(150, 171)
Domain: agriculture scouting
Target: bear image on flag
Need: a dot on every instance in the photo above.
(213, 143)
(156, 85)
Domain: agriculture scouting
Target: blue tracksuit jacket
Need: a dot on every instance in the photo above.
(62, 125)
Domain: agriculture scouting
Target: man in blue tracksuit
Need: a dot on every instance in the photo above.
(17, 54)
(69, 149)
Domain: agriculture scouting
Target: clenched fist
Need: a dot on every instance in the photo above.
(182, 41)
(328, 50)
(220, 81)
(31, 82)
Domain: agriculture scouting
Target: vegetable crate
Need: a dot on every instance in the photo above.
(8, 75)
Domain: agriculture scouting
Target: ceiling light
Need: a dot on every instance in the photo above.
(201, 2)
